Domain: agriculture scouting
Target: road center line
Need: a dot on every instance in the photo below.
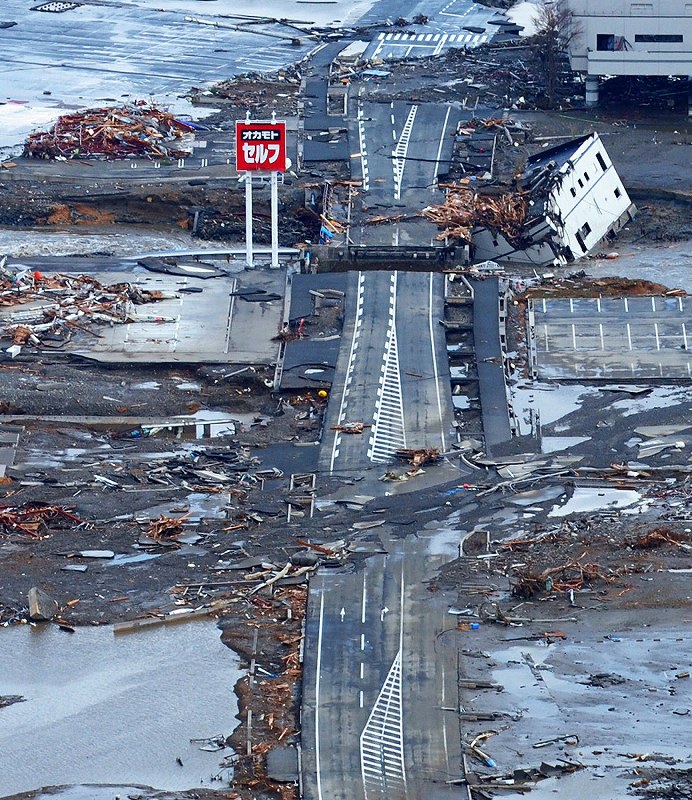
(433, 183)
(364, 601)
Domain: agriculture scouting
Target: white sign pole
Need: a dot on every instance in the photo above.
(248, 219)
(275, 218)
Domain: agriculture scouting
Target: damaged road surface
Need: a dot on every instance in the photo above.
(406, 517)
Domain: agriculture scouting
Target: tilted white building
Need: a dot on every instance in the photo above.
(576, 198)
(618, 37)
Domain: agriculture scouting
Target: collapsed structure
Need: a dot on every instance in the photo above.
(568, 199)
(111, 133)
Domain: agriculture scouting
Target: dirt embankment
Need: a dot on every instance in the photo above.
(217, 212)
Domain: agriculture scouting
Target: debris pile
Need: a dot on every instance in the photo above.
(418, 458)
(32, 519)
(111, 133)
(351, 427)
(56, 306)
(254, 90)
(580, 285)
(464, 210)
(581, 556)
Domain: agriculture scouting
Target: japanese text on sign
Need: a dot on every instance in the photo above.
(260, 146)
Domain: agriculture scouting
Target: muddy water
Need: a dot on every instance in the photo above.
(113, 709)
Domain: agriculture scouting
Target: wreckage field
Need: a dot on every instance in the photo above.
(399, 507)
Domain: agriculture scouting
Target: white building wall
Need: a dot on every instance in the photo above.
(587, 201)
(590, 199)
(618, 37)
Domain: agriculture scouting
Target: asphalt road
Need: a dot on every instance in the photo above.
(380, 679)
(634, 338)
(392, 372)
(448, 26)
(398, 150)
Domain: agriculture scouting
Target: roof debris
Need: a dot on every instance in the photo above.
(60, 304)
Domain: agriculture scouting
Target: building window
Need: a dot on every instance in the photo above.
(642, 9)
(580, 239)
(617, 191)
(573, 191)
(601, 161)
(586, 176)
(605, 41)
(580, 182)
(585, 229)
(665, 38)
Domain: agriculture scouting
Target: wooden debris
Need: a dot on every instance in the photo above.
(111, 133)
(32, 518)
(464, 210)
(351, 427)
(62, 304)
(417, 458)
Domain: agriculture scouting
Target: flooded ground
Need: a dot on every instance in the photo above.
(617, 688)
(113, 240)
(101, 708)
(669, 264)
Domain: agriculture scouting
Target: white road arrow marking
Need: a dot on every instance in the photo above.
(384, 611)
(342, 614)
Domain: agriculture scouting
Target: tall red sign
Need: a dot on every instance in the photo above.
(260, 146)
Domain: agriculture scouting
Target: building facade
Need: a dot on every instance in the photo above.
(619, 37)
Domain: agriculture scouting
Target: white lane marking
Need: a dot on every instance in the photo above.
(436, 375)
(440, 44)
(362, 641)
(363, 148)
(382, 741)
(364, 602)
(400, 151)
(362, 670)
(433, 183)
(401, 611)
(444, 722)
(349, 368)
(318, 668)
(388, 433)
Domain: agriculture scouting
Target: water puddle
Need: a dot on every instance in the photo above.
(551, 444)
(443, 538)
(130, 558)
(461, 402)
(114, 709)
(549, 402)
(537, 496)
(659, 397)
(587, 500)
